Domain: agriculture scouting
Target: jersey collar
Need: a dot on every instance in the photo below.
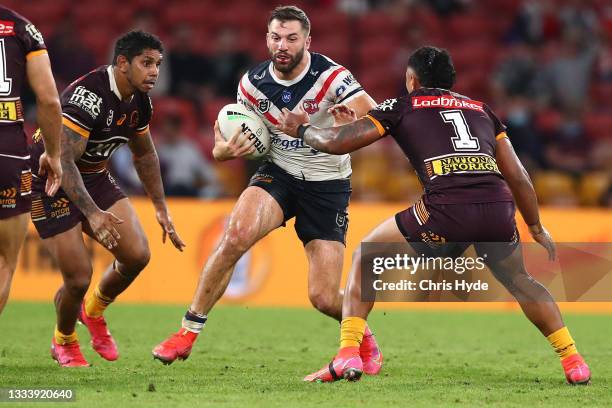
(113, 83)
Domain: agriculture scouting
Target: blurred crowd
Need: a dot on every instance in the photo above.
(545, 67)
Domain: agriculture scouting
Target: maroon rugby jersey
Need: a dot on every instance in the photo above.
(92, 107)
(19, 41)
(450, 141)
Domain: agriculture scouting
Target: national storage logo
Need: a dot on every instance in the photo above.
(460, 164)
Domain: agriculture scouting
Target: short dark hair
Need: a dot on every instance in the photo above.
(134, 43)
(290, 13)
(433, 66)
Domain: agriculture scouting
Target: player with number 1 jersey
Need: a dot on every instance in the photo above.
(472, 179)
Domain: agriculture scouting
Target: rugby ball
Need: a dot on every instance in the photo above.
(236, 116)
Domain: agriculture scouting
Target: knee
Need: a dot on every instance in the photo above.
(238, 240)
(138, 260)
(323, 300)
(77, 286)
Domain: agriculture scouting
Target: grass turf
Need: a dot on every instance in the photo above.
(257, 357)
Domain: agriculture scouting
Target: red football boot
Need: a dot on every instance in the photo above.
(370, 354)
(347, 364)
(176, 346)
(68, 355)
(101, 339)
(576, 370)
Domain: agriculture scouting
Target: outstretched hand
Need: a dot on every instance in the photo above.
(289, 122)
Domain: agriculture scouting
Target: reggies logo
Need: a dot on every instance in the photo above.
(86, 100)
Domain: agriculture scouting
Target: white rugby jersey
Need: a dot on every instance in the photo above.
(322, 84)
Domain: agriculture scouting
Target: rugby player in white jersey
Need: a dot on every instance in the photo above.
(295, 181)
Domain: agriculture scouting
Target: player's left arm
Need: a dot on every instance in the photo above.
(335, 140)
(146, 163)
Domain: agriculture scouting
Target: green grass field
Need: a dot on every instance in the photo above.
(257, 357)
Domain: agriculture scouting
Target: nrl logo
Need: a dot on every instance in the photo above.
(263, 105)
(340, 220)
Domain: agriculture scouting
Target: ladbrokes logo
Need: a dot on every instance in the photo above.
(59, 208)
(459, 163)
(420, 102)
(8, 198)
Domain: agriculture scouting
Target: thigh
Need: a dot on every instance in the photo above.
(70, 253)
(12, 233)
(322, 211)
(255, 214)
(133, 240)
(279, 185)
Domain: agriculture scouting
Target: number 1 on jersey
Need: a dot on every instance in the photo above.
(463, 141)
(5, 83)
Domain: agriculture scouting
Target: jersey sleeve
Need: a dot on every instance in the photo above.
(30, 38)
(241, 96)
(500, 128)
(146, 110)
(386, 116)
(344, 86)
(81, 107)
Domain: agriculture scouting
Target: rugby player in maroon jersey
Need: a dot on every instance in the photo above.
(23, 59)
(102, 111)
(472, 179)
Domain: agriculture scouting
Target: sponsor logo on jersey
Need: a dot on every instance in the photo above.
(263, 105)
(286, 144)
(121, 119)
(9, 111)
(460, 164)
(445, 101)
(311, 106)
(387, 105)
(35, 34)
(286, 96)
(86, 100)
(59, 208)
(109, 119)
(349, 80)
(7, 28)
(340, 90)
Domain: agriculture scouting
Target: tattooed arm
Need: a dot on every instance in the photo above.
(342, 139)
(101, 222)
(334, 140)
(146, 163)
(73, 146)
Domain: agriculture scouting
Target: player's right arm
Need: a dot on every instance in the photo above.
(49, 117)
(101, 222)
(524, 194)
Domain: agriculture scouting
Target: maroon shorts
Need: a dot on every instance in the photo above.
(15, 186)
(57, 214)
(449, 229)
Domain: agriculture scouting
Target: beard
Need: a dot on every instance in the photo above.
(289, 65)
